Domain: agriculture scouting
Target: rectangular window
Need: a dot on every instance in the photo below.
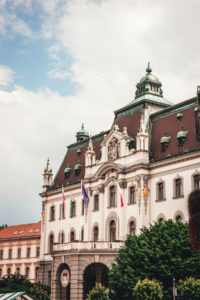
(19, 252)
(0, 273)
(132, 196)
(96, 202)
(73, 209)
(18, 271)
(36, 273)
(49, 278)
(83, 206)
(38, 251)
(10, 254)
(27, 272)
(52, 213)
(160, 191)
(28, 252)
(178, 187)
(8, 272)
(197, 182)
(112, 196)
(1, 254)
(62, 211)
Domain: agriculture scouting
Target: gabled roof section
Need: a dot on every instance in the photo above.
(32, 230)
(74, 156)
(168, 123)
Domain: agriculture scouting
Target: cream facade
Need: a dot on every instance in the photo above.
(130, 183)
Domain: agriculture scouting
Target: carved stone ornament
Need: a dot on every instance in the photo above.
(113, 149)
(101, 188)
(123, 184)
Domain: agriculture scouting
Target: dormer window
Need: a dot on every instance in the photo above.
(164, 141)
(67, 171)
(181, 136)
(77, 168)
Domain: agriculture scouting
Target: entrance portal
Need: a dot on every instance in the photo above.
(93, 273)
(63, 282)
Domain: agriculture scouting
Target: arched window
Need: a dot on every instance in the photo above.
(197, 181)
(160, 192)
(132, 195)
(52, 213)
(112, 196)
(82, 234)
(132, 228)
(51, 241)
(72, 236)
(27, 272)
(112, 229)
(178, 218)
(96, 234)
(96, 202)
(178, 187)
(61, 237)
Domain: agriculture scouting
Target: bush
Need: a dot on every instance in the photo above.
(18, 283)
(98, 293)
(148, 289)
(188, 289)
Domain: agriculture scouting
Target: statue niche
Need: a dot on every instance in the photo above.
(113, 149)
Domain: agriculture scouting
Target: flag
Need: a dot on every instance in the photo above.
(63, 198)
(85, 195)
(121, 198)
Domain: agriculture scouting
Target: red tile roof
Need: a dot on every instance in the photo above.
(21, 231)
(169, 124)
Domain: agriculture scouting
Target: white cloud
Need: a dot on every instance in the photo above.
(110, 43)
(6, 76)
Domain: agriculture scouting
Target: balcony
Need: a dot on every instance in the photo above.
(88, 246)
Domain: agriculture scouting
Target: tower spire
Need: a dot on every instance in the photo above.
(47, 176)
(148, 69)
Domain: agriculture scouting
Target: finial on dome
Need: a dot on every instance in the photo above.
(148, 69)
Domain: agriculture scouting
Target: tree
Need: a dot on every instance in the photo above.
(18, 283)
(99, 292)
(189, 289)
(161, 252)
(148, 290)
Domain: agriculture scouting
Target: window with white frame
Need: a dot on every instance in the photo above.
(132, 195)
(112, 196)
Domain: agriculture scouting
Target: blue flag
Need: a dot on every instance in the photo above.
(85, 195)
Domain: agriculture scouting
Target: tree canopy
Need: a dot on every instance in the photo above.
(161, 252)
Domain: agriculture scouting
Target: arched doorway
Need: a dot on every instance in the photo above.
(63, 278)
(96, 272)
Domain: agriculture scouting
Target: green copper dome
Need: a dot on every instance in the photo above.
(82, 134)
(149, 89)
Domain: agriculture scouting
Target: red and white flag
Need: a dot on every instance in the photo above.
(121, 198)
(63, 197)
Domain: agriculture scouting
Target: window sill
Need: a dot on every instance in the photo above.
(114, 206)
(179, 197)
(51, 220)
(131, 203)
(94, 210)
(161, 200)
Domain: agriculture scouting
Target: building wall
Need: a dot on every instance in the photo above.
(23, 262)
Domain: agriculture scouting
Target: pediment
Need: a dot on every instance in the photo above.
(114, 134)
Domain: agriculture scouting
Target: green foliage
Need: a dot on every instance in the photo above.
(98, 293)
(161, 252)
(148, 290)
(18, 283)
(188, 289)
(3, 226)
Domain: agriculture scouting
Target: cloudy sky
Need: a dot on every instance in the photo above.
(64, 62)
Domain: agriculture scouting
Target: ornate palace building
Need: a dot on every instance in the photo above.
(150, 156)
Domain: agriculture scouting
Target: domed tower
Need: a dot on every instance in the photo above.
(82, 134)
(150, 88)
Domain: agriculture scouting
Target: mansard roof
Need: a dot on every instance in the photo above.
(21, 231)
(168, 122)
